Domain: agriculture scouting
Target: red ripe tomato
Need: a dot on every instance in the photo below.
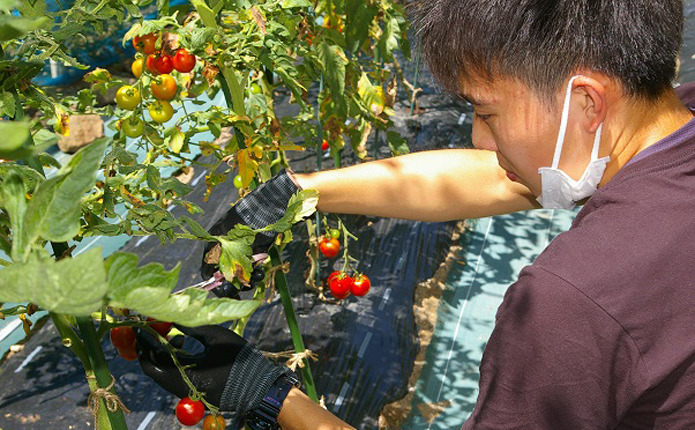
(214, 422)
(159, 64)
(163, 87)
(340, 285)
(329, 247)
(161, 327)
(128, 353)
(190, 412)
(324, 145)
(360, 285)
(146, 43)
(183, 61)
(122, 337)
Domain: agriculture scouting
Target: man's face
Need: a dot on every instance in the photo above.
(511, 120)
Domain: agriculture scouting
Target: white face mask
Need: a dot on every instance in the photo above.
(558, 190)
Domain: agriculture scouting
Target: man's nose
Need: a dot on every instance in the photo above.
(482, 139)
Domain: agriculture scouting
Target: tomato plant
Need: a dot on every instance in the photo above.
(330, 247)
(189, 412)
(183, 61)
(163, 87)
(214, 422)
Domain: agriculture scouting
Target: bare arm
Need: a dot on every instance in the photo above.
(299, 412)
(439, 185)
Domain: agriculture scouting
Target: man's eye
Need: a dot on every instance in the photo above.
(482, 117)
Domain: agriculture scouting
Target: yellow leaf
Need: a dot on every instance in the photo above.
(247, 167)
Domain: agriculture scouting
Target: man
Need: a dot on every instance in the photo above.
(573, 100)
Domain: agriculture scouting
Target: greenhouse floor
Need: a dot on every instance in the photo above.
(491, 256)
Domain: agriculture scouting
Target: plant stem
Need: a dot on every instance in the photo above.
(101, 370)
(281, 284)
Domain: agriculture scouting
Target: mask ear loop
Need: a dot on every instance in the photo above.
(563, 124)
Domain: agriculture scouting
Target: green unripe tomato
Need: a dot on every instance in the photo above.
(238, 182)
(334, 233)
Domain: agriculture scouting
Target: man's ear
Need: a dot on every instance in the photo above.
(591, 93)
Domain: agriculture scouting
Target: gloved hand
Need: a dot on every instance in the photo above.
(231, 372)
(263, 206)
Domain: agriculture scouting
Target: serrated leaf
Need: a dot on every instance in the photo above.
(197, 229)
(74, 286)
(146, 290)
(54, 211)
(236, 250)
(334, 61)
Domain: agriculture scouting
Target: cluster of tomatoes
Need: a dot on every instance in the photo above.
(329, 244)
(189, 412)
(342, 285)
(158, 65)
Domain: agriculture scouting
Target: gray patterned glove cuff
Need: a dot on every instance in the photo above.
(250, 379)
(267, 203)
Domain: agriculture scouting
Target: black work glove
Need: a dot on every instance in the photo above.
(263, 206)
(231, 372)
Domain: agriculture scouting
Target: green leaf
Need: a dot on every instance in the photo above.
(334, 61)
(236, 250)
(54, 211)
(7, 104)
(197, 229)
(147, 290)
(289, 4)
(15, 203)
(15, 136)
(44, 137)
(389, 39)
(13, 27)
(358, 19)
(397, 143)
(73, 286)
(301, 205)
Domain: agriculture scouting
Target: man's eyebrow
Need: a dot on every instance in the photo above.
(470, 99)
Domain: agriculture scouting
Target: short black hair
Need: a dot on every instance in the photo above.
(542, 42)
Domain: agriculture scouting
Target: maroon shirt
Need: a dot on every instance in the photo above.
(599, 333)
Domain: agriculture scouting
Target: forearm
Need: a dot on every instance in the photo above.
(438, 185)
(299, 412)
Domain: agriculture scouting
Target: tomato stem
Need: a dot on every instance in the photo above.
(286, 298)
(101, 370)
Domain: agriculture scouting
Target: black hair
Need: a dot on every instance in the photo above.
(542, 42)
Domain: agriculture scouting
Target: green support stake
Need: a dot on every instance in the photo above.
(281, 284)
